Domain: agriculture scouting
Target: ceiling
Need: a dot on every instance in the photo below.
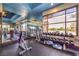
(19, 11)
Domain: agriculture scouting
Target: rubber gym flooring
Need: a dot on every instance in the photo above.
(37, 50)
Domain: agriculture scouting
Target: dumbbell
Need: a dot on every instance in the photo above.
(71, 42)
(56, 40)
(60, 41)
(66, 41)
(71, 35)
(66, 34)
(46, 38)
(62, 34)
(53, 39)
(49, 33)
(53, 33)
(58, 34)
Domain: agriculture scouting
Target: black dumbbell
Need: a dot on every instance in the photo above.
(62, 34)
(66, 34)
(71, 35)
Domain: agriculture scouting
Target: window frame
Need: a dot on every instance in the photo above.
(76, 6)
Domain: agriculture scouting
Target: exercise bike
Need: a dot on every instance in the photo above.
(23, 45)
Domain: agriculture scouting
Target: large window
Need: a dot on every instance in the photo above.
(57, 19)
(6, 27)
(60, 27)
(71, 27)
(71, 21)
(57, 22)
(63, 22)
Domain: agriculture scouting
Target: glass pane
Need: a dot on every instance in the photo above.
(6, 27)
(71, 10)
(71, 28)
(71, 17)
(57, 19)
(57, 27)
(59, 13)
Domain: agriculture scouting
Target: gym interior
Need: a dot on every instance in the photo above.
(51, 29)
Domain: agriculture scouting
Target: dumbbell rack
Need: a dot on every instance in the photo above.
(61, 40)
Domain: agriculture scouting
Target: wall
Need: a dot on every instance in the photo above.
(0, 7)
(0, 23)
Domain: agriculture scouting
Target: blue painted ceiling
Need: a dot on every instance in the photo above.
(17, 10)
(33, 5)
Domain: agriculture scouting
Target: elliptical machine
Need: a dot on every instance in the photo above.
(23, 45)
